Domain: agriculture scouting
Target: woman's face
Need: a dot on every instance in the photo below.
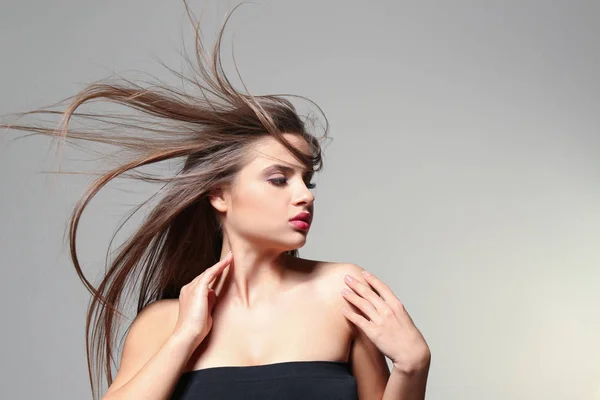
(269, 191)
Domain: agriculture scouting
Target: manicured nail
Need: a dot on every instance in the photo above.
(367, 274)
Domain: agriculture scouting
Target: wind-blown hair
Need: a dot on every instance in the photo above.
(210, 130)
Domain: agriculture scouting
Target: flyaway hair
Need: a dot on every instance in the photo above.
(207, 130)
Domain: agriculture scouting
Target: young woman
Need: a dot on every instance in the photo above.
(226, 308)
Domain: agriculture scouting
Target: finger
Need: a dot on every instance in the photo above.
(358, 320)
(363, 305)
(212, 299)
(222, 263)
(384, 291)
(210, 274)
(367, 293)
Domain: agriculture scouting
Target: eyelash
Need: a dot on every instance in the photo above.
(281, 181)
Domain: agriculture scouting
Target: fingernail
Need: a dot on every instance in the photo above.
(367, 274)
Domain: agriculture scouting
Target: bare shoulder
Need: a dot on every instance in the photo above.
(334, 272)
(158, 317)
(150, 329)
(152, 325)
(332, 269)
(330, 275)
(330, 282)
(338, 270)
(369, 365)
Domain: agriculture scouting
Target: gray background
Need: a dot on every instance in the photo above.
(464, 173)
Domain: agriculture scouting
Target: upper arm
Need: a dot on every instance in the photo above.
(369, 368)
(147, 334)
(369, 365)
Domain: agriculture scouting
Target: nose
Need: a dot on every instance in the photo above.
(304, 196)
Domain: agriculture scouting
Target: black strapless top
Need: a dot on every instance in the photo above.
(294, 380)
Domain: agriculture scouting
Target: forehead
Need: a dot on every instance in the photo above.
(267, 151)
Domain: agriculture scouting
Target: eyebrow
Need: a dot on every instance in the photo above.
(284, 168)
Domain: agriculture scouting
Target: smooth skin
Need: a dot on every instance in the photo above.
(257, 306)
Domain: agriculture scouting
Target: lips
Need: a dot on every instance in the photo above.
(303, 216)
(299, 224)
(302, 221)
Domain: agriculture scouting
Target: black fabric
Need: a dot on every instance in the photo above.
(295, 380)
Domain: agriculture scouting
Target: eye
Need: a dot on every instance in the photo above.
(278, 181)
(310, 185)
(282, 181)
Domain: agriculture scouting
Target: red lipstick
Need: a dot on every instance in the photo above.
(302, 221)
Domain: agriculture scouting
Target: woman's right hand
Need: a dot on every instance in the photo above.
(196, 302)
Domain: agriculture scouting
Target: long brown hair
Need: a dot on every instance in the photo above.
(210, 131)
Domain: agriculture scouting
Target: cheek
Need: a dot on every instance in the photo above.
(257, 208)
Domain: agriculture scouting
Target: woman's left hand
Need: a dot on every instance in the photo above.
(388, 326)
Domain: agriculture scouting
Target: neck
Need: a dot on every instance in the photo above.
(254, 275)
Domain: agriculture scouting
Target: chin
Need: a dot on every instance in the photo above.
(299, 243)
(296, 244)
(285, 242)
